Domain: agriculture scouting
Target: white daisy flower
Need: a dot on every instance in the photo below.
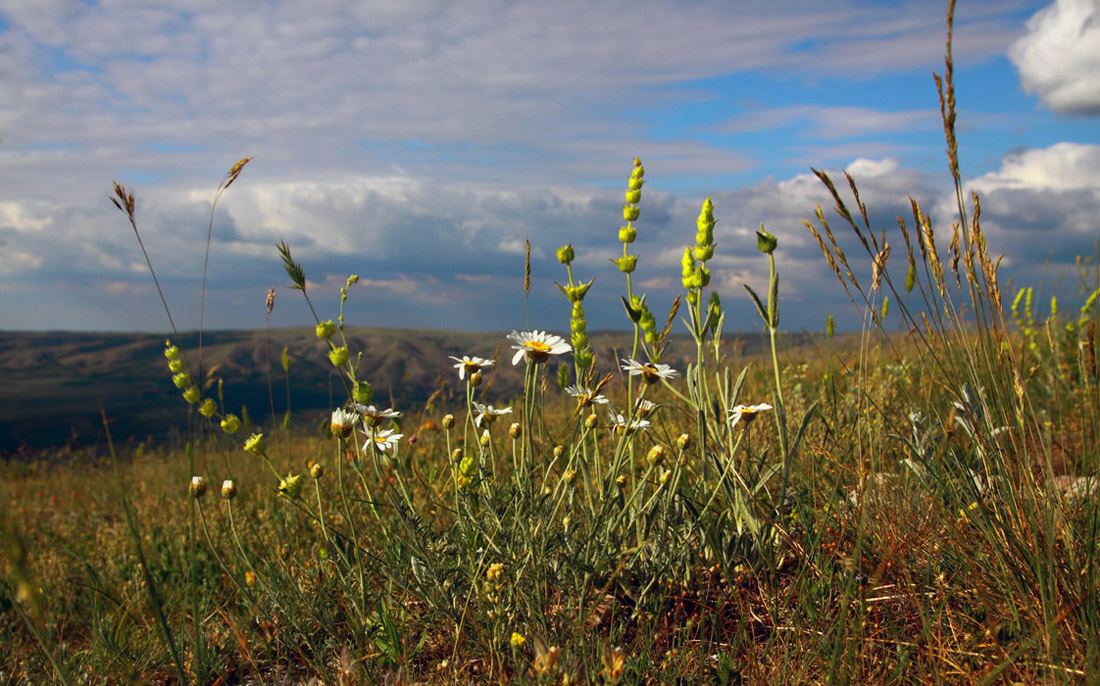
(643, 408)
(537, 345)
(468, 365)
(383, 440)
(343, 421)
(746, 412)
(586, 397)
(650, 372)
(487, 414)
(373, 416)
(621, 424)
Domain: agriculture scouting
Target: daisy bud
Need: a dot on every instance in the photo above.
(230, 424)
(666, 474)
(515, 431)
(208, 408)
(621, 480)
(291, 486)
(448, 421)
(475, 379)
(326, 330)
(627, 234)
(559, 450)
(182, 380)
(198, 487)
(656, 454)
(569, 476)
(485, 438)
(591, 421)
(683, 442)
(456, 455)
(317, 471)
(229, 489)
(171, 351)
(566, 521)
(565, 254)
(175, 365)
(338, 356)
(192, 395)
(255, 444)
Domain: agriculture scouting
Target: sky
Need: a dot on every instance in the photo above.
(418, 145)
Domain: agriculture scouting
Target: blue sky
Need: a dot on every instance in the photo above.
(419, 145)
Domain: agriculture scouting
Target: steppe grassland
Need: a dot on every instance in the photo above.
(909, 508)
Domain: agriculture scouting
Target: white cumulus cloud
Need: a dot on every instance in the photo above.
(1059, 56)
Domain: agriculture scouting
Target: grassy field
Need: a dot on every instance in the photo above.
(915, 508)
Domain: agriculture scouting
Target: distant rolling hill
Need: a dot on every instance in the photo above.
(55, 382)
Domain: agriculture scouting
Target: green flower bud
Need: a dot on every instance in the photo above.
(687, 264)
(171, 351)
(362, 393)
(326, 330)
(208, 408)
(704, 252)
(765, 242)
(631, 212)
(583, 357)
(627, 234)
(175, 366)
(591, 421)
(353, 279)
(559, 450)
(192, 395)
(565, 254)
(626, 263)
(255, 444)
(182, 380)
(291, 486)
(339, 356)
(705, 222)
(575, 294)
(635, 183)
(230, 424)
(579, 341)
(633, 196)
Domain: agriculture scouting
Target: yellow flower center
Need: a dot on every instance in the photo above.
(537, 346)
